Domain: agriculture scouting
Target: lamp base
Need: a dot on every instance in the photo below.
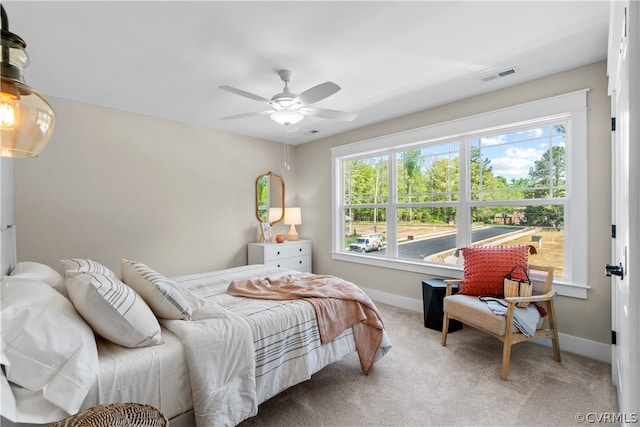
(293, 233)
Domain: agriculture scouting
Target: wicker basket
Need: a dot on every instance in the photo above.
(116, 415)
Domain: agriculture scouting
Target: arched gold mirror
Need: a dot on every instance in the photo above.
(270, 198)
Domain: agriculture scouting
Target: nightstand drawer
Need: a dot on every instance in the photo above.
(282, 263)
(300, 249)
(301, 263)
(294, 255)
(276, 252)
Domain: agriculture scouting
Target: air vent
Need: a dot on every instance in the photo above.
(499, 74)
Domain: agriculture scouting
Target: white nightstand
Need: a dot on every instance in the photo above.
(295, 255)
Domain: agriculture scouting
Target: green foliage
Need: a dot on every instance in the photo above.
(425, 178)
(367, 181)
(548, 174)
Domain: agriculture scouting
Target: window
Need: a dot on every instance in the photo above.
(513, 176)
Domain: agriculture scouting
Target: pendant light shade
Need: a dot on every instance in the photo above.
(26, 119)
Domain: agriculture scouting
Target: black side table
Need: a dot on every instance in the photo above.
(433, 292)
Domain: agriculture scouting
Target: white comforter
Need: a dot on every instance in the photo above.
(284, 345)
(220, 355)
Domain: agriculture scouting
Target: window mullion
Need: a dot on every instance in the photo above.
(392, 219)
(464, 210)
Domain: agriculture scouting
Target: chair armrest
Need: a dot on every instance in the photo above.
(512, 301)
(534, 298)
(450, 283)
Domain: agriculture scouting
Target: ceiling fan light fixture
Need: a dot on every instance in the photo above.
(283, 100)
(287, 117)
(287, 108)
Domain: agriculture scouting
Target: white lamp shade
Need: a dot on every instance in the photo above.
(292, 216)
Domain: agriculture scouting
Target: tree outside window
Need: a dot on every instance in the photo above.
(498, 188)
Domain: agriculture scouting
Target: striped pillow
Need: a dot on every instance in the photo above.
(112, 309)
(87, 266)
(163, 295)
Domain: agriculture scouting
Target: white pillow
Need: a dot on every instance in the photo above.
(114, 310)
(46, 345)
(87, 266)
(163, 295)
(40, 273)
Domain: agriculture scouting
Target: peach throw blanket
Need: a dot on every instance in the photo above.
(337, 302)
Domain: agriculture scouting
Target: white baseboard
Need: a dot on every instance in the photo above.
(570, 343)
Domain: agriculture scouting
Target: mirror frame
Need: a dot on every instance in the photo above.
(270, 175)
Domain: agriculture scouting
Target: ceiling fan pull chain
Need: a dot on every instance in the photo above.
(286, 147)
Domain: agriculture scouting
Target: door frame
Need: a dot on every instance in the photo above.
(624, 87)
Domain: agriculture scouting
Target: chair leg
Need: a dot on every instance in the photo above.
(506, 358)
(445, 329)
(506, 343)
(552, 324)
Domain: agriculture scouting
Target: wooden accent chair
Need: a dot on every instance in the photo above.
(471, 311)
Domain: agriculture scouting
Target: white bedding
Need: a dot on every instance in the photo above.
(219, 352)
(124, 376)
(285, 333)
(235, 354)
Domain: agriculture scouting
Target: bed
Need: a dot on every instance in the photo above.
(213, 368)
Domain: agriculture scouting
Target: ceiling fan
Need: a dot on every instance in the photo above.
(287, 108)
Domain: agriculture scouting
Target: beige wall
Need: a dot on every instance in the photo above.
(588, 319)
(112, 184)
(180, 198)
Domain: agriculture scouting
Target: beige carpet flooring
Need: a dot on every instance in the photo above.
(421, 383)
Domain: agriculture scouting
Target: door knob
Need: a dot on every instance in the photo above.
(615, 270)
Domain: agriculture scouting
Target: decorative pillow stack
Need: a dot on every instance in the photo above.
(49, 322)
(486, 266)
(113, 309)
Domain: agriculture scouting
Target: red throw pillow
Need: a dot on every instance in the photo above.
(486, 266)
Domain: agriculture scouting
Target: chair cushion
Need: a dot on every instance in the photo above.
(473, 312)
(486, 266)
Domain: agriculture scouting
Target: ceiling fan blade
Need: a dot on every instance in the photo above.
(317, 93)
(245, 115)
(245, 94)
(330, 114)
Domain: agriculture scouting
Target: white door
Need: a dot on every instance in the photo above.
(624, 87)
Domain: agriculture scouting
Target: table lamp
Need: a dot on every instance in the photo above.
(293, 217)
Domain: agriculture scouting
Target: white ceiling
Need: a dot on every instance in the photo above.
(167, 59)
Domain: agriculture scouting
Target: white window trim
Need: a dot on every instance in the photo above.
(574, 103)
